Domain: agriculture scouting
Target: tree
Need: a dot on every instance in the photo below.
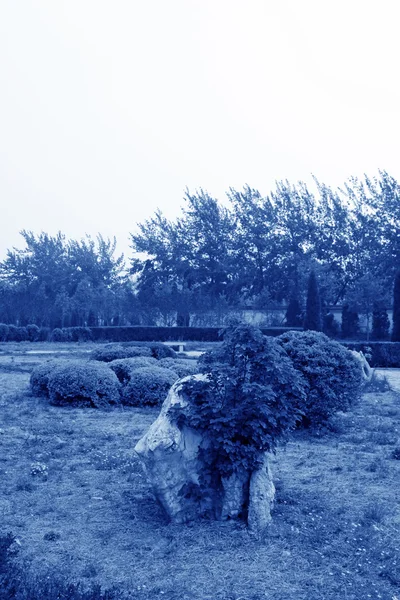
(313, 318)
(350, 321)
(294, 312)
(380, 321)
(396, 309)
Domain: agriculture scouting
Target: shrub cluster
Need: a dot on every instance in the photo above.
(333, 375)
(123, 367)
(113, 352)
(247, 402)
(76, 383)
(30, 333)
(71, 334)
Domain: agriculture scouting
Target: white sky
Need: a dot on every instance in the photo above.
(110, 108)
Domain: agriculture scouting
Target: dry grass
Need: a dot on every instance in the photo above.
(73, 493)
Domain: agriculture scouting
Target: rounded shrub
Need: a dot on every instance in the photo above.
(115, 352)
(182, 366)
(333, 374)
(83, 384)
(3, 332)
(148, 386)
(123, 367)
(17, 334)
(39, 380)
(158, 349)
(58, 335)
(33, 332)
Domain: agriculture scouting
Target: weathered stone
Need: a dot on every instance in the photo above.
(171, 461)
(262, 493)
(366, 369)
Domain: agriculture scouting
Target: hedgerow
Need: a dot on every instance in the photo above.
(115, 352)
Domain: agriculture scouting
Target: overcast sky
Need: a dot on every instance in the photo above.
(110, 108)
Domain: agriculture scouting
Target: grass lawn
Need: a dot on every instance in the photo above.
(74, 495)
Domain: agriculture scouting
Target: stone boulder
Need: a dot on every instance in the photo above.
(170, 458)
(367, 371)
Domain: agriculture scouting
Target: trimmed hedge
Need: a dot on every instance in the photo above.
(83, 384)
(333, 374)
(148, 386)
(378, 354)
(167, 334)
(116, 352)
(183, 366)
(124, 367)
(39, 380)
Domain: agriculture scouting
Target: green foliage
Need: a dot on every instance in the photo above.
(148, 386)
(114, 352)
(380, 321)
(313, 318)
(350, 322)
(4, 329)
(58, 335)
(246, 405)
(17, 334)
(39, 379)
(294, 316)
(332, 373)
(182, 367)
(124, 367)
(329, 325)
(378, 354)
(396, 309)
(83, 384)
(33, 332)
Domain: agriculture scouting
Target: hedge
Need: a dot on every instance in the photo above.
(165, 334)
(378, 354)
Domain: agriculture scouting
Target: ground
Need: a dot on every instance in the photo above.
(74, 495)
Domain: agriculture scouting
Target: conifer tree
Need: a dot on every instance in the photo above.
(350, 321)
(293, 312)
(313, 318)
(396, 309)
(380, 321)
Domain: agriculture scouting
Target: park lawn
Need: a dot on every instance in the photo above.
(74, 495)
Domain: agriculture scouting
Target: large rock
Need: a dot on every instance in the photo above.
(367, 372)
(170, 459)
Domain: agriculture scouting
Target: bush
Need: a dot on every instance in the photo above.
(330, 326)
(116, 352)
(33, 332)
(78, 334)
(148, 386)
(58, 335)
(44, 334)
(396, 309)
(4, 329)
(39, 380)
(182, 367)
(246, 405)
(333, 375)
(17, 334)
(380, 322)
(350, 322)
(83, 383)
(123, 367)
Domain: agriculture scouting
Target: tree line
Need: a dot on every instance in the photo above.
(250, 251)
